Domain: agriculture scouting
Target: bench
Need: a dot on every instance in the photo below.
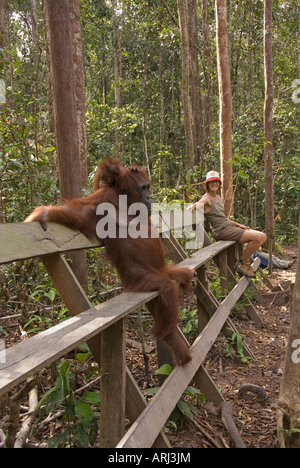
(103, 327)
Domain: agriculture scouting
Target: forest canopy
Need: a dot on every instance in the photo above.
(133, 82)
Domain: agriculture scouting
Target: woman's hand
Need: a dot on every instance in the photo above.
(243, 226)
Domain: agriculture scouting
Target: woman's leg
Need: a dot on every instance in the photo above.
(254, 239)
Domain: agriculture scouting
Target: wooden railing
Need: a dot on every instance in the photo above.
(103, 327)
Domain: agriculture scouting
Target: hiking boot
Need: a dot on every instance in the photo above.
(244, 269)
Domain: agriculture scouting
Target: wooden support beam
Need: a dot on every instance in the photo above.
(135, 405)
(20, 241)
(144, 431)
(249, 307)
(113, 382)
(223, 270)
(29, 356)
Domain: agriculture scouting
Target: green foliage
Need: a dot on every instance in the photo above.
(190, 322)
(150, 118)
(183, 408)
(79, 418)
(235, 344)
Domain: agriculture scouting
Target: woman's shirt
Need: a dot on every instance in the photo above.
(216, 216)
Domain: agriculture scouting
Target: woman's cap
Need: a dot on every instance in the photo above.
(212, 175)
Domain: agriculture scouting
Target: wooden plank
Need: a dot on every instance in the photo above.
(144, 431)
(113, 382)
(223, 270)
(77, 302)
(249, 307)
(20, 241)
(29, 356)
(201, 257)
(206, 385)
(172, 220)
(203, 380)
(173, 249)
(135, 405)
(210, 304)
(66, 283)
(71, 292)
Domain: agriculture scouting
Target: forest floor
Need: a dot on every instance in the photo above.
(255, 419)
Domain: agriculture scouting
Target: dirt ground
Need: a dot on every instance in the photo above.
(254, 418)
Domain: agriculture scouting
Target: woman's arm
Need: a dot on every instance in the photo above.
(203, 201)
(243, 226)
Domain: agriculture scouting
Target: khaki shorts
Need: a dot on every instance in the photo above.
(233, 233)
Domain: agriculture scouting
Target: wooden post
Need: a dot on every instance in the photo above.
(203, 316)
(71, 292)
(223, 270)
(113, 381)
(231, 258)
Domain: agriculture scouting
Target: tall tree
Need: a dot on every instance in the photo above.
(225, 105)
(299, 39)
(288, 407)
(79, 87)
(2, 46)
(185, 83)
(195, 82)
(207, 69)
(65, 111)
(117, 34)
(268, 126)
(34, 30)
(3, 7)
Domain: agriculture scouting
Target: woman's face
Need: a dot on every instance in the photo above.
(214, 185)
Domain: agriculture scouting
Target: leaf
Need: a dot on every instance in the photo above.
(59, 439)
(84, 412)
(81, 438)
(82, 357)
(48, 150)
(51, 295)
(92, 397)
(65, 377)
(192, 391)
(151, 391)
(165, 369)
(186, 408)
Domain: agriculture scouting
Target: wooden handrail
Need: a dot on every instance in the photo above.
(27, 240)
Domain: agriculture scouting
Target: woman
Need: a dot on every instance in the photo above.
(225, 229)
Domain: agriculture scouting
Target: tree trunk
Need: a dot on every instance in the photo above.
(3, 39)
(185, 83)
(288, 407)
(249, 55)
(117, 31)
(268, 128)
(225, 105)
(299, 40)
(195, 82)
(34, 30)
(2, 71)
(65, 112)
(208, 80)
(79, 87)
